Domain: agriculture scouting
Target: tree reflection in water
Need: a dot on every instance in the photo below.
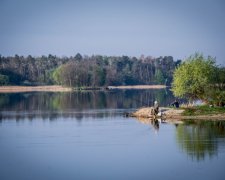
(79, 104)
(200, 139)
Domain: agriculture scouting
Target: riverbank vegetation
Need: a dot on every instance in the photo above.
(203, 110)
(199, 78)
(86, 71)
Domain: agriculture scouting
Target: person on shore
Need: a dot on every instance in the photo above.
(176, 104)
(156, 108)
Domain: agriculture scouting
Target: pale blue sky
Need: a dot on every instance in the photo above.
(113, 27)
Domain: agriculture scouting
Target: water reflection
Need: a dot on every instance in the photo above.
(200, 139)
(54, 115)
(77, 104)
(155, 123)
(94, 147)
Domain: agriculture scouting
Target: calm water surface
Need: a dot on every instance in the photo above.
(84, 135)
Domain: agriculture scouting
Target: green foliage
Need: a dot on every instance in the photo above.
(216, 93)
(85, 71)
(193, 76)
(4, 80)
(199, 78)
(159, 78)
(215, 96)
(56, 75)
(203, 110)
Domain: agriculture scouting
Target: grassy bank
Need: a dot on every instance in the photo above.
(203, 110)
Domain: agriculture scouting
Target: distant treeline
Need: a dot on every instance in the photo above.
(86, 71)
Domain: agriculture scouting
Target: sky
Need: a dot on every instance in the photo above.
(113, 27)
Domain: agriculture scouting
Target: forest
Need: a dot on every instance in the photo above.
(86, 71)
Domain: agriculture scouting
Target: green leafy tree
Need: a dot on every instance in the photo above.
(159, 78)
(194, 77)
(56, 75)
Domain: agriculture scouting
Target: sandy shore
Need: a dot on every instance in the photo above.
(55, 88)
(175, 114)
(138, 87)
(11, 89)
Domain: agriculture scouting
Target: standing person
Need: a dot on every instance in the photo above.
(156, 108)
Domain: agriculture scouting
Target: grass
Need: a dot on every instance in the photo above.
(203, 110)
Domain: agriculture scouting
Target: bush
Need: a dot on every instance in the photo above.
(4, 80)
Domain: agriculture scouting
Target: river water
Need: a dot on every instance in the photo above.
(84, 135)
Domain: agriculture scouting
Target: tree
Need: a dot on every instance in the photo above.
(78, 57)
(56, 75)
(159, 78)
(4, 80)
(195, 77)
(95, 70)
(216, 93)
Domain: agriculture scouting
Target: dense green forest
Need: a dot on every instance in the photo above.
(86, 71)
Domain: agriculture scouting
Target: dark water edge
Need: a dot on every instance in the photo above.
(85, 136)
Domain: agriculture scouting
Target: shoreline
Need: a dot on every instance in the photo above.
(51, 88)
(171, 114)
(138, 87)
(57, 88)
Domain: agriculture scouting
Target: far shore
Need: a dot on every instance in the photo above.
(56, 88)
(52, 88)
(138, 87)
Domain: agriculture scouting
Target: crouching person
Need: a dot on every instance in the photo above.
(175, 104)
